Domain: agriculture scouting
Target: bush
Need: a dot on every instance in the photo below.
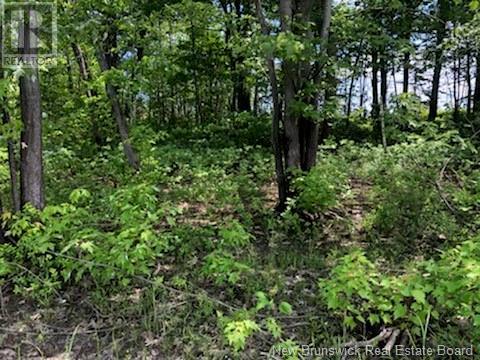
(322, 187)
(409, 210)
(67, 244)
(360, 292)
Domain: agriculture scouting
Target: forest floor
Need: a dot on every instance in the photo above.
(74, 328)
(202, 200)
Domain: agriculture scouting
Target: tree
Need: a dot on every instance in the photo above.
(109, 59)
(303, 70)
(476, 96)
(441, 33)
(31, 158)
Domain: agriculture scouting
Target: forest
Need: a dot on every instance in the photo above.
(240, 179)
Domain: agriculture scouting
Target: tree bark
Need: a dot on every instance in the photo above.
(469, 83)
(292, 135)
(82, 65)
(243, 94)
(2, 230)
(198, 99)
(312, 127)
(476, 95)
(375, 102)
(437, 71)
(383, 93)
(435, 87)
(362, 90)
(383, 83)
(86, 76)
(406, 72)
(256, 99)
(31, 159)
(352, 82)
(108, 60)
(456, 89)
(120, 118)
(31, 163)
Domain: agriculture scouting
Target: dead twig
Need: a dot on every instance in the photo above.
(441, 193)
(59, 333)
(391, 342)
(384, 334)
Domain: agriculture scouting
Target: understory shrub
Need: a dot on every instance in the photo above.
(67, 244)
(360, 292)
(323, 186)
(407, 194)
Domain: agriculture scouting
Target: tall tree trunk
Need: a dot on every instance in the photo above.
(383, 93)
(456, 89)
(243, 94)
(375, 102)
(362, 90)
(383, 83)
(394, 76)
(469, 83)
(437, 71)
(292, 135)
(82, 65)
(86, 76)
(476, 95)
(31, 159)
(406, 72)
(276, 119)
(4, 111)
(256, 96)
(120, 117)
(352, 82)
(196, 86)
(2, 230)
(312, 127)
(435, 87)
(349, 97)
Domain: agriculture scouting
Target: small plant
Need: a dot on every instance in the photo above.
(224, 268)
(242, 324)
(322, 187)
(237, 332)
(234, 235)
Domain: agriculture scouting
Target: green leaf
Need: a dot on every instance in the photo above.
(373, 319)
(237, 333)
(399, 311)
(285, 308)
(262, 301)
(419, 296)
(273, 328)
(349, 322)
(87, 246)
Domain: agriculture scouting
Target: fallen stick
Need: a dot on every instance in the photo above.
(391, 342)
(384, 334)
